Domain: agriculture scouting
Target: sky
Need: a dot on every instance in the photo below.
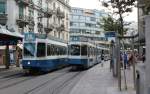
(95, 4)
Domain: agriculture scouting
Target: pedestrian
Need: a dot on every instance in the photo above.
(102, 58)
(125, 60)
(131, 57)
(111, 64)
(143, 58)
(121, 59)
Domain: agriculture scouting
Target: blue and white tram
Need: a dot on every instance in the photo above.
(98, 54)
(43, 54)
(82, 54)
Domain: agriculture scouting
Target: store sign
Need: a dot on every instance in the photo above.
(30, 37)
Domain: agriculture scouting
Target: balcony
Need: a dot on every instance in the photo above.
(23, 20)
(48, 12)
(48, 28)
(23, 2)
(3, 19)
(61, 28)
(60, 14)
(40, 24)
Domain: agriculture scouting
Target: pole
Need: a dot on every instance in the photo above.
(133, 63)
(125, 81)
(17, 56)
(118, 64)
(7, 57)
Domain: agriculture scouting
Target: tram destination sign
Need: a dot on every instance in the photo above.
(30, 37)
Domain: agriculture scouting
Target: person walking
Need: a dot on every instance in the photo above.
(125, 60)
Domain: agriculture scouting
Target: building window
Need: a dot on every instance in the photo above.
(2, 7)
(40, 3)
(88, 19)
(21, 10)
(54, 6)
(31, 12)
(82, 24)
(92, 19)
(74, 30)
(75, 17)
(82, 18)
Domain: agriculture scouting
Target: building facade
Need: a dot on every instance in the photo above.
(38, 16)
(50, 17)
(85, 22)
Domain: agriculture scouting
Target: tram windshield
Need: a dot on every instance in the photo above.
(75, 50)
(29, 49)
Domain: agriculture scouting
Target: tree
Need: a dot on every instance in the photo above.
(111, 24)
(120, 7)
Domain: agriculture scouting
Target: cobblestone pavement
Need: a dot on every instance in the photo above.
(99, 80)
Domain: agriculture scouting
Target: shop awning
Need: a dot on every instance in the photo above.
(8, 37)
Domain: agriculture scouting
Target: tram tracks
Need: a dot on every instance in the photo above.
(8, 80)
(53, 82)
(54, 86)
(63, 84)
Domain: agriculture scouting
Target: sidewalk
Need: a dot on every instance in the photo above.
(11, 67)
(99, 80)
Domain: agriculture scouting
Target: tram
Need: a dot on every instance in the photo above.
(43, 54)
(84, 54)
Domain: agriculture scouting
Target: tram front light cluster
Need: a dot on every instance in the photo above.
(29, 63)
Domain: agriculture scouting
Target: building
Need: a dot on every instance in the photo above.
(143, 29)
(85, 22)
(50, 17)
(142, 11)
(38, 16)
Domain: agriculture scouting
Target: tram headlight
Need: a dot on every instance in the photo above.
(29, 63)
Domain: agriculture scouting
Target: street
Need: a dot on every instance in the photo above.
(57, 82)
(96, 80)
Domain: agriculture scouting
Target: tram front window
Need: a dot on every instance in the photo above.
(75, 50)
(29, 49)
(41, 50)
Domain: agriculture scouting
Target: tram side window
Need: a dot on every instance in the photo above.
(84, 50)
(48, 49)
(52, 49)
(41, 49)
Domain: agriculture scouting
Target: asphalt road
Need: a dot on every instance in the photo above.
(56, 82)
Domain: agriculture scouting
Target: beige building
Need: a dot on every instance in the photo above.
(38, 16)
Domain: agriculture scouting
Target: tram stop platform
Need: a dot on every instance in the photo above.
(99, 80)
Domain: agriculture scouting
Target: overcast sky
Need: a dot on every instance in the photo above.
(95, 4)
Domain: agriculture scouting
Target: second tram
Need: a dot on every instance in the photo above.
(84, 54)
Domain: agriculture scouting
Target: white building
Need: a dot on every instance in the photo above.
(38, 16)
